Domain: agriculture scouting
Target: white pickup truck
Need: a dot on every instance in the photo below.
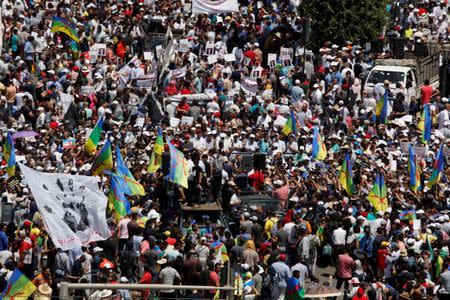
(411, 73)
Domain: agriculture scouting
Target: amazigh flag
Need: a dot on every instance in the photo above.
(381, 108)
(346, 175)
(116, 196)
(221, 251)
(103, 161)
(407, 215)
(9, 155)
(75, 49)
(64, 26)
(132, 186)
(18, 287)
(291, 126)
(92, 142)
(378, 194)
(319, 150)
(414, 171)
(425, 124)
(179, 168)
(156, 158)
(438, 167)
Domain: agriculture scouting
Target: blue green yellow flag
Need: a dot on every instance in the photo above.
(414, 171)
(346, 175)
(92, 142)
(133, 187)
(179, 167)
(319, 150)
(425, 124)
(103, 161)
(291, 125)
(156, 158)
(378, 194)
(9, 155)
(18, 287)
(438, 167)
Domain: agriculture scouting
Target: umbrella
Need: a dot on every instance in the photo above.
(321, 291)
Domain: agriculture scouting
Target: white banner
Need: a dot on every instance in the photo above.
(66, 100)
(214, 6)
(72, 206)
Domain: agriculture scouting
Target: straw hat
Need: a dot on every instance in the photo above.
(45, 289)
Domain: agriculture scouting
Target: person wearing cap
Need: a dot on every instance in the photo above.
(282, 273)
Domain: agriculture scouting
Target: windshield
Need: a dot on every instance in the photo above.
(377, 76)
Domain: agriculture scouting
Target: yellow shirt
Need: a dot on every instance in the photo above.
(409, 33)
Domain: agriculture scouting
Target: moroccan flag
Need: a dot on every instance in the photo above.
(18, 287)
(378, 194)
(346, 175)
(116, 196)
(156, 158)
(438, 167)
(381, 108)
(319, 150)
(132, 186)
(291, 126)
(9, 155)
(64, 26)
(92, 142)
(414, 171)
(425, 124)
(179, 168)
(103, 161)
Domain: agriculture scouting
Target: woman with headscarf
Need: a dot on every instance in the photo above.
(250, 255)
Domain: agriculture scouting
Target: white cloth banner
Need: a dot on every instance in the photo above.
(72, 206)
(66, 100)
(214, 6)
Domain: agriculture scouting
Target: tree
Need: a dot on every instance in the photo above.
(342, 20)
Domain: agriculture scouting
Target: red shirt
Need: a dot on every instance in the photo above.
(185, 91)
(184, 107)
(257, 179)
(213, 280)
(146, 279)
(427, 92)
(381, 258)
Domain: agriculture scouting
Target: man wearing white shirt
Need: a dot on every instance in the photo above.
(292, 146)
(251, 144)
(278, 144)
(198, 142)
(339, 236)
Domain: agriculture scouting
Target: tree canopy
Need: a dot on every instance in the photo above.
(342, 20)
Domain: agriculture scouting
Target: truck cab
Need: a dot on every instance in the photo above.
(403, 75)
(411, 73)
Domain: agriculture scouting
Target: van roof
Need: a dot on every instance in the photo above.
(391, 68)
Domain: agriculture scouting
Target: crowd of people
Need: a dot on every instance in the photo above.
(217, 108)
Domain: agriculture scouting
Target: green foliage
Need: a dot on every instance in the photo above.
(342, 20)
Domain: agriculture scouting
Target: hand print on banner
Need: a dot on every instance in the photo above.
(73, 202)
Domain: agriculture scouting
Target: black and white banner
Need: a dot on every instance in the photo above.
(72, 206)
